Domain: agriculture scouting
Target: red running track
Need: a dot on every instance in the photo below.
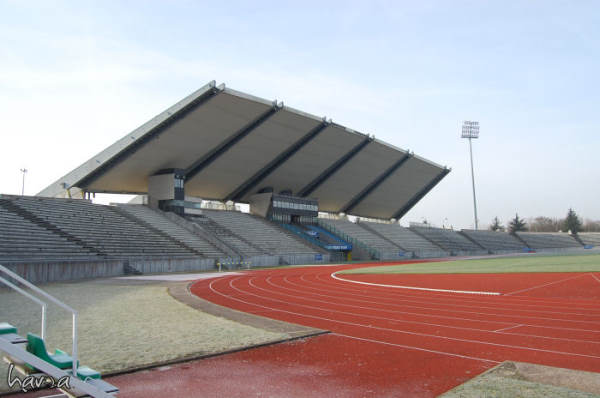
(420, 343)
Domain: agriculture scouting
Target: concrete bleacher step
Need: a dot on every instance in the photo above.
(11, 206)
(375, 232)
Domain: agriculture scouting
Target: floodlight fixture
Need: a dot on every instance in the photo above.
(470, 130)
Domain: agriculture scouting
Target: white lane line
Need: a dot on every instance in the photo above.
(463, 298)
(342, 322)
(516, 326)
(453, 310)
(410, 347)
(499, 331)
(544, 285)
(594, 276)
(334, 276)
(453, 306)
(393, 330)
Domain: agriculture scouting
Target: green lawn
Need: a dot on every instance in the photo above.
(537, 263)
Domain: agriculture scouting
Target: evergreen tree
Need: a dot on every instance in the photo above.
(496, 226)
(517, 224)
(572, 222)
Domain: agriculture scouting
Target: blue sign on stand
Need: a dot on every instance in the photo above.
(318, 257)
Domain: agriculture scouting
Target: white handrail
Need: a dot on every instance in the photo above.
(55, 301)
(32, 297)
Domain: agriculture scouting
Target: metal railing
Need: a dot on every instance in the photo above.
(42, 293)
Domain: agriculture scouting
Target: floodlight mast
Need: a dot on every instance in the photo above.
(470, 130)
(23, 170)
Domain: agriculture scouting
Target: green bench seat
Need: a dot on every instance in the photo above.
(6, 328)
(37, 347)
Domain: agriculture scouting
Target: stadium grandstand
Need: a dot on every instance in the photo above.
(316, 192)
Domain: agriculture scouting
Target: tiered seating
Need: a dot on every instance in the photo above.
(156, 219)
(229, 238)
(102, 227)
(590, 238)
(494, 240)
(356, 231)
(22, 240)
(260, 232)
(548, 240)
(448, 239)
(404, 237)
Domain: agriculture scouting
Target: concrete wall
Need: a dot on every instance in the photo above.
(260, 203)
(160, 187)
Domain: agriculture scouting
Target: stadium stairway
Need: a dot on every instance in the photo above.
(260, 233)
(159, 229)
(157, 220)
(407, 239)
(369, 228)
(318, 237)
(548, 240)
(450, 240)
(496, 241)
(239, 245)
(590, 239)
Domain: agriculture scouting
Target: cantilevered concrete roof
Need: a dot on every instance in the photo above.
(233, 145)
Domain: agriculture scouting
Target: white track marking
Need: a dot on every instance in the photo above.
(594, 276)
(465, 298)
(444, 303)
(460, 298)
(389, 329)
(446, 316)
(410, 347)
(499, 331)
(490, 314)
(347, 323)
(334, 276)
(516, 326)
(544, 285)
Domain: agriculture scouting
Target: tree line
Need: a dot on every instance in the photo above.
(572, 222)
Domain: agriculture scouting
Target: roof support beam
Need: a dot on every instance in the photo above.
(229, 142)
(263, 173)
(155, 132)
(320, 179)
(419, 195)
(374, 184)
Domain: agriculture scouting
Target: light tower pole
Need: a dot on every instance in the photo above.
(23, 170)
(470, 130)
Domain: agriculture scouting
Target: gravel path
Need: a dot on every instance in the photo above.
(127, 326)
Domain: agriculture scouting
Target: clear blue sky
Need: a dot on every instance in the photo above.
(76, 76)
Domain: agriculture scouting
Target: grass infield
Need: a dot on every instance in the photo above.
(537, 263)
